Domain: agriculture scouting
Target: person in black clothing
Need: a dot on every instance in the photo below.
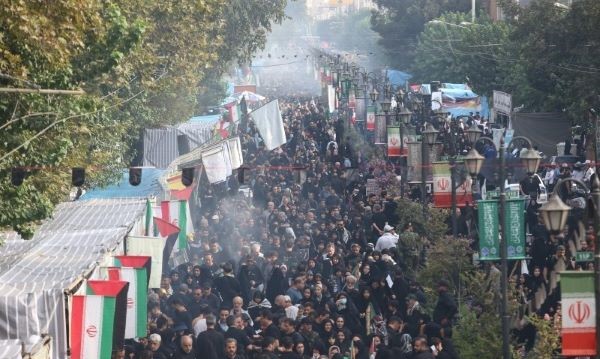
(267, 327)
(210, 343)
(235, 331)
(185, 349)
(446, 308)
(227, 285)
(421, 350)
(287, 344)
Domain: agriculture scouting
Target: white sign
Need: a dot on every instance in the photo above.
(502, 102)
(436, 100)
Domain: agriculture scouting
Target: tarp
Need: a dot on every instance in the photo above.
(10, 349)
(160, 144)
(398, 78)
(149, 186)
(79, 236)
(544, 129)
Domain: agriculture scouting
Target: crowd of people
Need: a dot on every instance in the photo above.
(297, 269)
(304, 264)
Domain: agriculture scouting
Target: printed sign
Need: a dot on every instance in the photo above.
(578, 329)
(372, 187)
(502, 102)
(514, 220)
(442, 187)
(584, 256)
(370, 118)
(393, 141)
(380, 130)
(489, 246)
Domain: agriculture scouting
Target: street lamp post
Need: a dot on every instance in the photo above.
(405, 116)
(531, 160)
(428, 136)
(554, 214)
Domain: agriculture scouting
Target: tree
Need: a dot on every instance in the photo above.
(399, 22)
(450, 52)
(558, 53)
(141, 64)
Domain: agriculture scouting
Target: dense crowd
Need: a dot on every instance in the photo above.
(292, 258)
(306, 270)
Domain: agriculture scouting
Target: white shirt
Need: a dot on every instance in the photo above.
(199, 326)
(387, 240)
(291, 312)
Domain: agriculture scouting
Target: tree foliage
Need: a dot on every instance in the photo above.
(399, 22)
(545, 56)
(141, 64)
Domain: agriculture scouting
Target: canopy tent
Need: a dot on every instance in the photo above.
(160, 144)
(149, 186)
(398, 78)
(457, 99)
(66, 248)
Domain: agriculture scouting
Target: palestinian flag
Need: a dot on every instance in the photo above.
(170, 232)
(137, 298)
(578, 313)
(178, 213)
(98, 320)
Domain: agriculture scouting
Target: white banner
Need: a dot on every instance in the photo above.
(502, 102)
(213, 161)
(331, 98)
(269, 123)
(235, 150)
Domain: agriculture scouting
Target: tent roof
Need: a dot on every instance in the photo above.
(70, 244)
(64, 249)
(149, 186)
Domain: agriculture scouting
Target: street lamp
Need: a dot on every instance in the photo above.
(430, 135)
(531, 159)
(473, 162)
(473, 134)
(405, 116)
(554, 214)
(374, 94)
(385, 105)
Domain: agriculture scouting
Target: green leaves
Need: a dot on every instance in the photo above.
(141, 63)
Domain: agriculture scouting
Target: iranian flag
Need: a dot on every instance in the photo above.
(178, 214)
(137, 298)
(97, 320)
(442, 186)
(578, 313)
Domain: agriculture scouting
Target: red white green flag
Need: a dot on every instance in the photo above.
(578, 314)
(178, 213)
(137, 298)
(98, 320)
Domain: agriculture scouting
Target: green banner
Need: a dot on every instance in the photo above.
(514, 219)
(489, 247)
(584, 256)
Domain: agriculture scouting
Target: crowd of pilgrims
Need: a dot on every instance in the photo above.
(299, 269)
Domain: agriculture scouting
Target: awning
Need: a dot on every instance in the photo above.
(63, 250)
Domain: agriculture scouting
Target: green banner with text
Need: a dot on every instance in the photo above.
(514, 219)
(489, 247)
